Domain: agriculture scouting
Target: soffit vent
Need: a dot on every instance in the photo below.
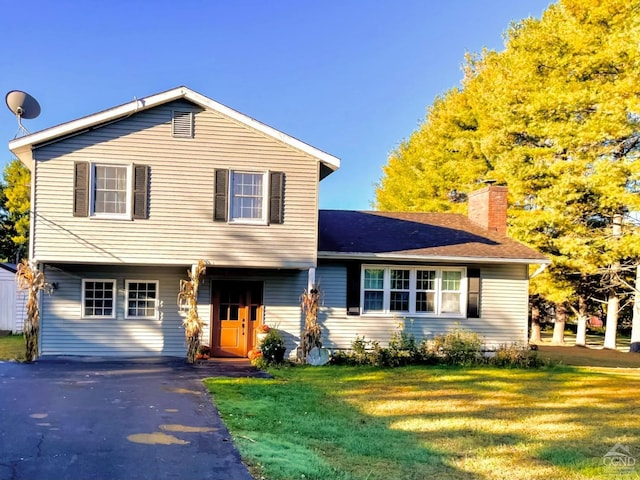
(182, 124)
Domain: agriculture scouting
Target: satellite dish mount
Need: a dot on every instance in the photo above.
(22, 105)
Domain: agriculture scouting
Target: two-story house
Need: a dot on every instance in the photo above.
(126, 200)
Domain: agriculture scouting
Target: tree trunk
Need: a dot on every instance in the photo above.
(635, 323)
(535, 325)
(561, 318)
(581, 333)
(613, 303)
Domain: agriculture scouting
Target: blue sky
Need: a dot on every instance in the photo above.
(350, 77)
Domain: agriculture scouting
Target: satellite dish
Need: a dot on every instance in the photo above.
(22, 105)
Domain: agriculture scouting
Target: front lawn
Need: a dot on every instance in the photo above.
(432, 422)
(12, 347)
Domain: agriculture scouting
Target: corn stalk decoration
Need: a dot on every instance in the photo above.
(32, 280)
(312, 334)
(188, 298)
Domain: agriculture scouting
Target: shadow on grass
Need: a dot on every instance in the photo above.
(431, 422)
(588, 357)
(286, 429)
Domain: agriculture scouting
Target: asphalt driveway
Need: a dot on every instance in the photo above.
(89, 419)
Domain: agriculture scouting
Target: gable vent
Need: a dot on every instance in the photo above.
(182, 124)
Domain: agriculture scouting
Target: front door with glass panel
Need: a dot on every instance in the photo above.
(236, 312)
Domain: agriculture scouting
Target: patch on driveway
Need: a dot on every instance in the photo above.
(65, 418)
(156, 438)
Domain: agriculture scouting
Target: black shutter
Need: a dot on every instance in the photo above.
(353, 288)
(276, 197)
(473, 293)
(81, 189)
(220, 202)
(140, 191)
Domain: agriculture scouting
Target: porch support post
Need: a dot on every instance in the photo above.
(311, 283)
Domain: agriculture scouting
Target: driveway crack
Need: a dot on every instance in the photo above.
(14, 471)
(39, 446)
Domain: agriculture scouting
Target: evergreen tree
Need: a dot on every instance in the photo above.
(556, 118)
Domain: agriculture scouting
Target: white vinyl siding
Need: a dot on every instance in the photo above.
(503, 305)
(180, 228)
(65, 332)
(12, 302)
(141, 298)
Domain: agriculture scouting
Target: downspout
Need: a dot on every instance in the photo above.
(40, 306)
(32, 209)
(311, 281)
(540, 269)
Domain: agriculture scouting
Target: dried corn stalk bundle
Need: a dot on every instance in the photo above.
(312, 334)
(32, 280)
(188, 298)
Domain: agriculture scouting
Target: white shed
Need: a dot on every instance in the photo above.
(12, 301)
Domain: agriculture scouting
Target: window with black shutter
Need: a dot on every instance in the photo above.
(221, 187)
(81, 189)
(242, 196)
(353, 288)
(114, 191)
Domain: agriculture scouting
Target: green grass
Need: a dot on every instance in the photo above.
(12, 347)
(431, 422)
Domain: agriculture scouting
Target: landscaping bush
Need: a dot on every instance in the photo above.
(363, 352)
(458, 347)
(516, 356)
(272, 348)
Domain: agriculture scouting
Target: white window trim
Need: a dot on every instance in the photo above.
(83, 297)
(265, 197)
(126, 300)
(92, 192)
(386, 311)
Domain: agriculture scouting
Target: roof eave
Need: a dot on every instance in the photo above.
(7, 267)
(20, 145)
(394, 256)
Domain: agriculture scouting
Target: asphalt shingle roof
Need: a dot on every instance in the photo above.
(415, 234)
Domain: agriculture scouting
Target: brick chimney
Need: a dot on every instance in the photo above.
(488, 208)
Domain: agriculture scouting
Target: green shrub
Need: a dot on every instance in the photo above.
(401, 340)
(363, 352)
(273, 347)
(458, 347)
(516, 356)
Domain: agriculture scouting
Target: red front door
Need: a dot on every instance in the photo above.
(237, 312)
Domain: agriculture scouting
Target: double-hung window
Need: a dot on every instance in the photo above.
(110, 192)
(142, 299)
(248, 193)
(413, 290)
(245, 196)
(98, 298)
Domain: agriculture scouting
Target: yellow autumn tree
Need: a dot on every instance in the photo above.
(555, 117)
